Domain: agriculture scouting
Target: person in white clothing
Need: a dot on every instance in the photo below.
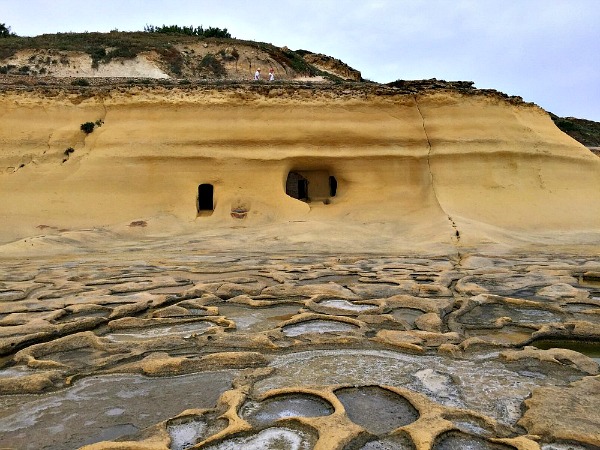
(257, 74)
(271, 74)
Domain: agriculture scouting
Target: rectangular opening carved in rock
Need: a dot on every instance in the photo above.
(332, 186)
(311, 185)
(206, 203)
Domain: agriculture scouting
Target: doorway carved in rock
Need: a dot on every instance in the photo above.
(311, 185)
(206, 203)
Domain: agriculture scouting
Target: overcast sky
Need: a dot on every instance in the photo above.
(547, 51)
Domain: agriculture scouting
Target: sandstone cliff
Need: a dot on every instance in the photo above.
(383, 168)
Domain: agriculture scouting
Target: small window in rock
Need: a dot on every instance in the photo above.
(311, 185)
(205, 198)
(332, 186)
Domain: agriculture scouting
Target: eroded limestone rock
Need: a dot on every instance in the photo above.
(451, 339)
(566, 413)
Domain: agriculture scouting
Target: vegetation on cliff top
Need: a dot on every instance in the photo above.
(189, 31)
(122, 44)
(166, 41)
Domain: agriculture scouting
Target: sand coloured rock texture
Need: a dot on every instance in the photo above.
(420, 171)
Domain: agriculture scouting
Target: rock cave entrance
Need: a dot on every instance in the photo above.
(311, 185)
(206, 203)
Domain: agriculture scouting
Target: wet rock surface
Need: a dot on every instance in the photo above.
(377, 410)
(369, 352)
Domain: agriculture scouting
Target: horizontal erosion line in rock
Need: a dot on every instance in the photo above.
(310, 142)
(260, 158)
(522, 152)
(269, 151)
(217, 154)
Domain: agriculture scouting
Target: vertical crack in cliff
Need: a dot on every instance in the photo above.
(48, 143)
(428, 155)
(104, 108)
(456, 235)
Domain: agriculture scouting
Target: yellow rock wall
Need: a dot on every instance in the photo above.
(426, 164)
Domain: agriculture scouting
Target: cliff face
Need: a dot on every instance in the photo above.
(156, 56)
(333, 66)
(439, 166)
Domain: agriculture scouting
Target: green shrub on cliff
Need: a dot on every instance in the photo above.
(212, 65)
(5, 31)
(189, 31)
(87, 127)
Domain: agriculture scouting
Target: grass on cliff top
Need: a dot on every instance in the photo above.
(130, 44)
(86, 42)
